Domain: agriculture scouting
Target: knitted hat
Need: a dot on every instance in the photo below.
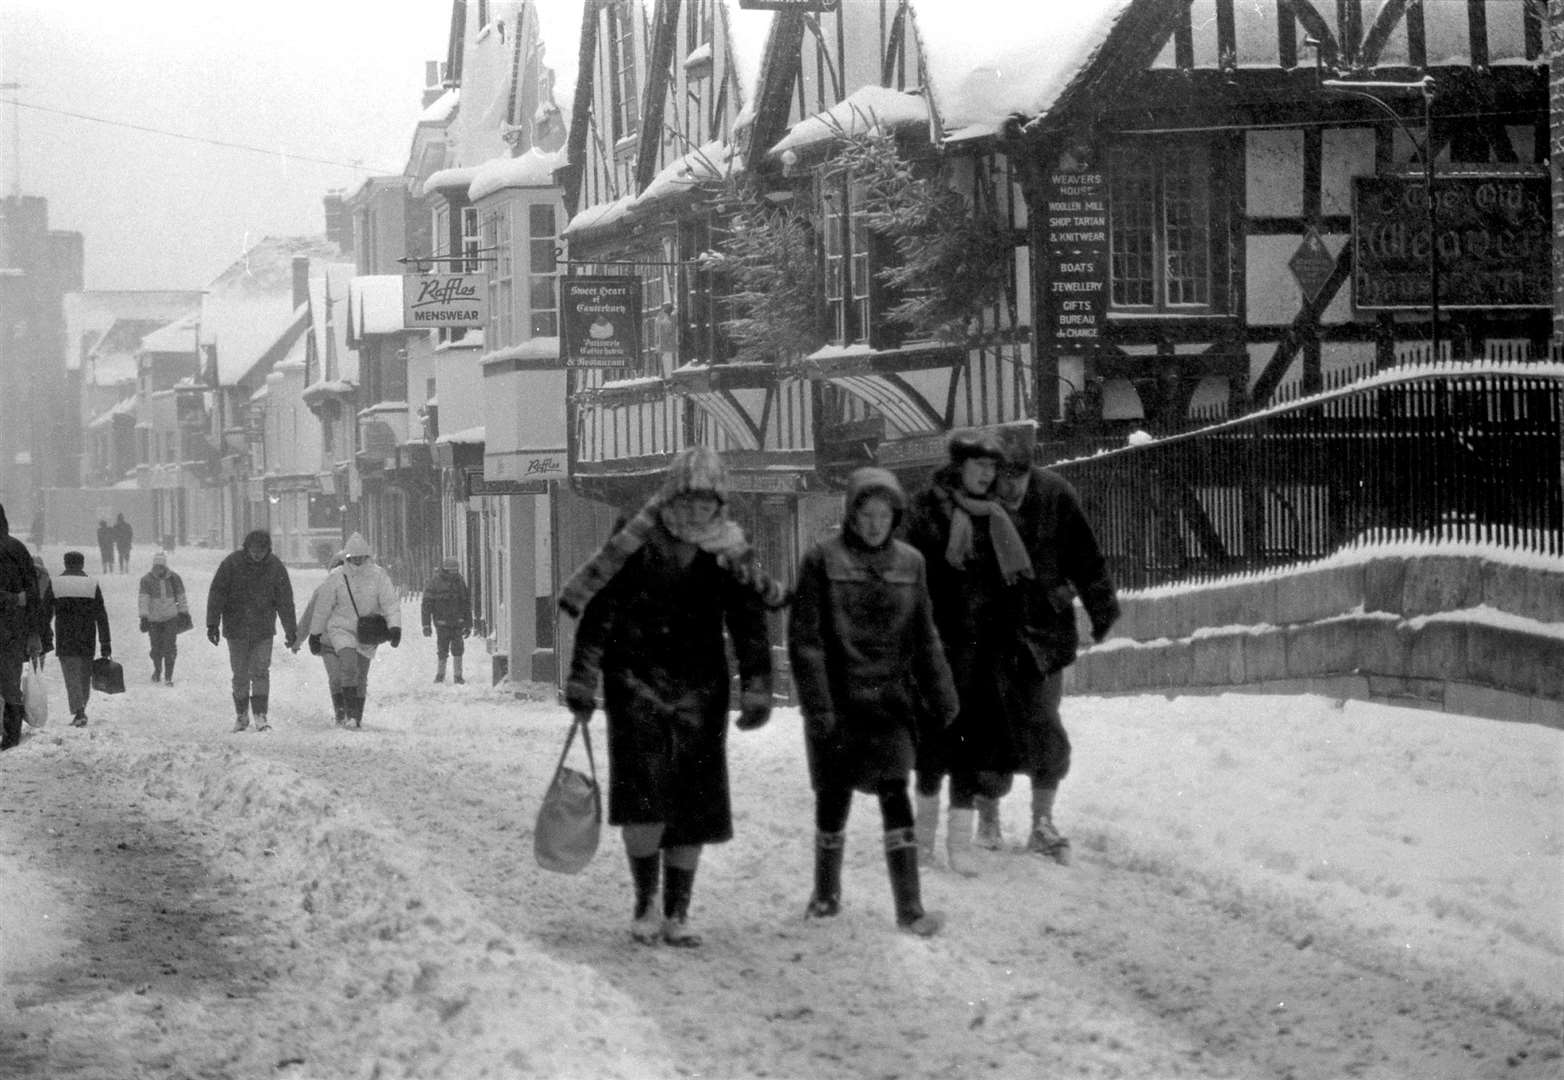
(160, 559)
(698, 469)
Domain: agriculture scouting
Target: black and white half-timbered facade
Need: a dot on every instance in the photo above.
(1243, 216)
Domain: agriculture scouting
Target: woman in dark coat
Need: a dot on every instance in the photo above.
(106, 545)
(867, 664)
(123, 537)
(975, 559)
(653, 604)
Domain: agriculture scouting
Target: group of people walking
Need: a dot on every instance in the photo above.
(927, 637)
(115, 540)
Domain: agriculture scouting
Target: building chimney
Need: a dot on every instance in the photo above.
(336, 219)
(301, 281)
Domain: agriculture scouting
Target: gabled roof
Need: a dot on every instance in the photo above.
(91, 315)
(374, 306)
(178, 336)
(248, 312)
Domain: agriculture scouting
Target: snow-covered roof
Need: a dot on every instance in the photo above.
(441, 108)
(375, 304)
(867, 109)
(538, 348)
(748, 33)
(989, 60)
(249, 308)
(92, 316)
(125, 406)
(468, 436)
(329, 290)
(449, 179)
(178, 336)
(533, 169)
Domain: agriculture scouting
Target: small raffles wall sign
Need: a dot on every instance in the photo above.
(602, 321)
(435, 301)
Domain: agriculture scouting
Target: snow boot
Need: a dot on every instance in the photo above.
(258, 704)
(958, 842)
(157, 673)
(901, 861)
(646, 927)
(989, 835)
(827, 898)
(339, 708)
(1046, 840)
(456, 671)
(168, 671)
(11, 728)
(353, 697)
(241, 713)
(439, 671)
(926, 826)
(678, 884)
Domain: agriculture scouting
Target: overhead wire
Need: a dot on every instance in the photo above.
(356, 165)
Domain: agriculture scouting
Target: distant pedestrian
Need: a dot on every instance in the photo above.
(447, 614)
(328, 657)
(21, 627)
(359, 589)
(123, 535)
(250, 592)
(106, 545)
(161, 602)
(659, 606)
(867, 664)
(81, 627)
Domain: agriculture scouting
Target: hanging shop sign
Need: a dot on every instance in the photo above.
(1076, 252)
(444, 301)
(478, 485)
(1494, 241)
(788, 5)
(602, 321)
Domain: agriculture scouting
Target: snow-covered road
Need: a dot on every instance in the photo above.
(1263, 887)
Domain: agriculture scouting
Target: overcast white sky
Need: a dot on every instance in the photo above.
(337, 80)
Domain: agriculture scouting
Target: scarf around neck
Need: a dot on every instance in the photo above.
(1009, 550)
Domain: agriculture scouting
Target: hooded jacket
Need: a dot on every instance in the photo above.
(21, 604)
(248, 597)
(870, 672)
(347, 593)
(446, 601)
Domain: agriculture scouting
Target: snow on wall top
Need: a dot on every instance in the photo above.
(869, 108)
(989, 60)
(534, 169)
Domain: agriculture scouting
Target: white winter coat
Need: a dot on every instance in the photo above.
(334, 617)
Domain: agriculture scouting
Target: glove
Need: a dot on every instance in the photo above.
(314, 644)
(146, 624)
(428, 632)
(466, 631)
(212, 635)
(580, 698)
(106, 653)
(752, 717)
(395, 636)
(291, 642)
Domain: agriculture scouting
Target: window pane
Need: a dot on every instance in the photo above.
(1185, 223)
(1132, 197)
(542, 293)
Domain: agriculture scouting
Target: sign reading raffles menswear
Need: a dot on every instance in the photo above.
(602, 321)
(432, 301)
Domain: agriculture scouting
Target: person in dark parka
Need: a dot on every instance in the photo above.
(654, 604)
(250, 592)
(106, 545)
(1066, 563)
(975, 557)
(22, 627)
(81, 626)
(867, 664)
(446, 613)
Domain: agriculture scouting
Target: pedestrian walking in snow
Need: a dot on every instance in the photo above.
(161, 603)
(447, 614)
(653, 604)
(123, 535)
(46, 612)
(1066, 563)
(81, 627)
(106, 545)
(867, 664)
(22, 627)
(974, 557)
(327, 656)
(250, 593)
(359, 589)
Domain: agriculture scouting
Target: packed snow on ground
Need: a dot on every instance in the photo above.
(1263, 886)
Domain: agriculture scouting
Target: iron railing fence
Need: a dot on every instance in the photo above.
(1460, 453)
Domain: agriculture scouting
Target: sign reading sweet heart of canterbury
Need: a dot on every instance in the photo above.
(602, 321)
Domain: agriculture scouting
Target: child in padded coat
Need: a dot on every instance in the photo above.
(867, 663)
(161, 601)
(360, 588)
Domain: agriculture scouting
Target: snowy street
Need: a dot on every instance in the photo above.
(1262, 887)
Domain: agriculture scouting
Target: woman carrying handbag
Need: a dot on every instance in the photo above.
(357, 608)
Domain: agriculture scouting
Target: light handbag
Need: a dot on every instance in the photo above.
(370, 629)
(570, 821)
(35, 695)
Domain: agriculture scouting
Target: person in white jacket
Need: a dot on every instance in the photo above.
(328, 658)
(359, 590)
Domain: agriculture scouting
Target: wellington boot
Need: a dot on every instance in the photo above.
(958, 843)
(678, 884)
(827, 898)
(901, 862)
(646, 923)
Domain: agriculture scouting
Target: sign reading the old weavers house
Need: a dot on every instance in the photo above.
(1076, 247)
(444, 301)
(602, 321)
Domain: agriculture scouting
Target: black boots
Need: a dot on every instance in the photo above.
(439, 671)
(168, 671)
(339, 707)
(456, 670)
(258, 704)
(241, 712)
(678, 884)
(645, 870)
(11, 731)
(353, 701)
(827, 898)
(901, 860)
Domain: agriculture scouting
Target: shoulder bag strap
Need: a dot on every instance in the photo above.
(349, 586)
(586, 741)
